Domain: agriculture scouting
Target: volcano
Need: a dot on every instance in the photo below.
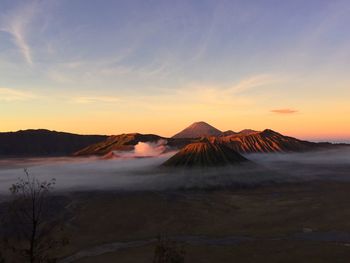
(268, 141)
(122, 142)
(205, 154)
(197, 130)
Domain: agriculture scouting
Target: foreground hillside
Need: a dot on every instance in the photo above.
(44, 143)
(268, 224)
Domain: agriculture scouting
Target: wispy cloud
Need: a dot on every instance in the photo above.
(284, 111)
(209, 31)
(61, 76)
(155, 69)
(95, 99)
(229, 95)
(7, 94)
(206, 96)
(254, 82)
(16, 23)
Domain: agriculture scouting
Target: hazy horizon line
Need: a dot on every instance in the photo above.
(318, 139)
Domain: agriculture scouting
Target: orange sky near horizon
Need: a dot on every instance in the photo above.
(298, 125)
(323, 118)
(281, 65)
(255, 103)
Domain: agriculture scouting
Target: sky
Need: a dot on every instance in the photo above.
(115, 66)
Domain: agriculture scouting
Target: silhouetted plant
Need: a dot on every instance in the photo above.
(29, 224)
(168, 251)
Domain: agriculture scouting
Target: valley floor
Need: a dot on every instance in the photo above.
(308, 222)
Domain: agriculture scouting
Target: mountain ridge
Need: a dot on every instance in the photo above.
(205, 153)
(121, 142)
(43, 142)
(243, 142)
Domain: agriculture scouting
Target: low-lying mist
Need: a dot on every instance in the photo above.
(139, 174)
(328, 165)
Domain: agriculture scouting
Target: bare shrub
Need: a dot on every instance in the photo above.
(29, 224)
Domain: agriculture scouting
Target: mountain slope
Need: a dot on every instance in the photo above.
(44, 143)
(205, 154)
(267, 141)
(247, 132)
(122, 142)
(197, 130)
(250, 142)
(51, 143)
(229, 132)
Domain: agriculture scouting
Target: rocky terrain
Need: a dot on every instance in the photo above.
(245, 141)
(268, 141)
(205, 153)
(52, 143)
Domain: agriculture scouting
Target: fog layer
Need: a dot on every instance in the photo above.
(130, 174)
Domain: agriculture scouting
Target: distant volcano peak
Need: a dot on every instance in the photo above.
(199, 123)
(197, 130)
(270, 132)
